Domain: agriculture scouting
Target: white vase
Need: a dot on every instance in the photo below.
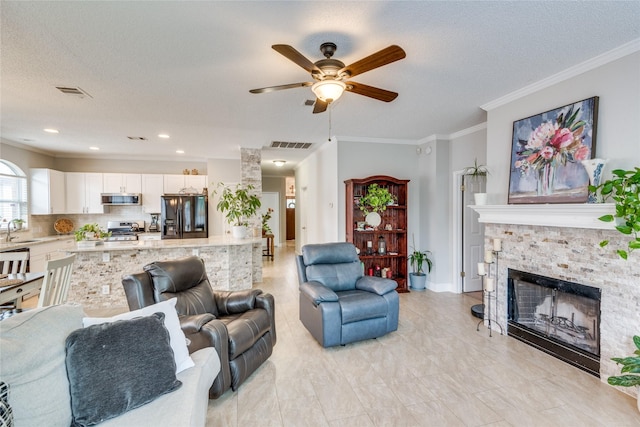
(594, 168)
(239, 231)
(480, 198)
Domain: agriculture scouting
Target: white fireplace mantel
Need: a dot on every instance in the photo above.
(560, 215)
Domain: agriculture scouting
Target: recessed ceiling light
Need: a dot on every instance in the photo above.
(94, 148)
(50, 130)
(180, 151)
(163, 135)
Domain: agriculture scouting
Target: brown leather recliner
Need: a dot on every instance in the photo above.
(239, 324)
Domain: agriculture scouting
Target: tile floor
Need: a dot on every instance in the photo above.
(436, 370)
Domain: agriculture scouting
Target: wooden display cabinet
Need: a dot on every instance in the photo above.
(393, 228)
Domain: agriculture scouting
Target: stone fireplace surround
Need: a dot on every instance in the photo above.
(562, 241)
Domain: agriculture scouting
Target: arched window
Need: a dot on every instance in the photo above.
(13, 194)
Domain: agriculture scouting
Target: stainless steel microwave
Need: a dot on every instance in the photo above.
(121, 198)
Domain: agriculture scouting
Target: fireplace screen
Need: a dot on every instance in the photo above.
(555, 315)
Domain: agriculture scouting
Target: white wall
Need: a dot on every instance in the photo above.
(317, 197)
(618, 134)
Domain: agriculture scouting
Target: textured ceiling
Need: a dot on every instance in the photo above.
(185, 69)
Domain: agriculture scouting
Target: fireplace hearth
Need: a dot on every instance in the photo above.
(559, 317)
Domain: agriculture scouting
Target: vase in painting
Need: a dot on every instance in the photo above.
(546, 180)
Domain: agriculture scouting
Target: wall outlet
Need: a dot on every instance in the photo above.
(105, 290)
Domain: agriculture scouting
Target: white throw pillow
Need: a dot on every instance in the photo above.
(177, 338)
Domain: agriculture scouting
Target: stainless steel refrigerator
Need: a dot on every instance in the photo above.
(184, 216)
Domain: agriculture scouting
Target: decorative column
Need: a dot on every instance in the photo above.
(251, 174)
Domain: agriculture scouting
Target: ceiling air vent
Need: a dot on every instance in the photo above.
(295, 145)
(75, 91)
(137, 138)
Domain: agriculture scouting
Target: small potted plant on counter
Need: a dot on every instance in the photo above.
(238, 205)
(631, 369)
(90, 235)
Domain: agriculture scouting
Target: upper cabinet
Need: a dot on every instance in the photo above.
(173, 184)
(47, 191)
(152, 189)
(122, 183)
(83, 192)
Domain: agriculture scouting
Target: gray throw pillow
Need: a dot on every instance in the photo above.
(119, 366)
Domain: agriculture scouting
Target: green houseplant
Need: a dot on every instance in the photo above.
(91, 234)
(624, 189)
(376, 200)
(238, 205)
(631, 369)
(417, 258)
(17, 223)
(477, 173)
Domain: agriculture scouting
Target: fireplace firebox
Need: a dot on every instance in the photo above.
(559, 317)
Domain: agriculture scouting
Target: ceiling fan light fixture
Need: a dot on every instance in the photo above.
(328, 90)
(279, 163)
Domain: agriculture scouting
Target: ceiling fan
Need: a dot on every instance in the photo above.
(332, 76)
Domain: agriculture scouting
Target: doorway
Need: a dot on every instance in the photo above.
(468, 234)
(271, 200)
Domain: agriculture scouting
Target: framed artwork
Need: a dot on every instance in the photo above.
(547, 151)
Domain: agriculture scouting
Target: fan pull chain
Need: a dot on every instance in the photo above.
(330, 108)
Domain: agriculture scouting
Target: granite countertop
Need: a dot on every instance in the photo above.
(26, 242)
(166, 244)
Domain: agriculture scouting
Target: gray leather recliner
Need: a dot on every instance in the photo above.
(240, 325)
(338, 304)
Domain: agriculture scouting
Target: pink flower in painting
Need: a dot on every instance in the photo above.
(547, 152)
(541, 136)
(562, 138)
(582, 153)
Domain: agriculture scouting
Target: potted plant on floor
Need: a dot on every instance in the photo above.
(477, 174)
(418, 278)
(630, 367)
(624, 189)
(238, 205)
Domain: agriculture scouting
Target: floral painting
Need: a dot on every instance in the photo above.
(547, 151)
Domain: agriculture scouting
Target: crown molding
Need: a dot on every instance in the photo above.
(588, 65)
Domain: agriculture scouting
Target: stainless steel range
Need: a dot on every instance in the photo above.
(124, 230)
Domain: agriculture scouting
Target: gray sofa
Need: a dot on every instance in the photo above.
(32, 363)
(338, 304)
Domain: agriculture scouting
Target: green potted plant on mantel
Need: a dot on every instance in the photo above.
(418, 279)
(477, 173)
(631, 369)
(624, 189)
(238, 205)
(90, 235)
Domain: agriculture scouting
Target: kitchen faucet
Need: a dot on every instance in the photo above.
(8, 239)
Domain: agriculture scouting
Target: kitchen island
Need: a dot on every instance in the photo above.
(231, 264)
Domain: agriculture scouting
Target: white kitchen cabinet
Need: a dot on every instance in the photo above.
(122, 183)
(152, 189)
(40, 253)
(174, 183)
(47, 191)
(83, 192)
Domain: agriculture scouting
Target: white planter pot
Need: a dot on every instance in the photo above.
(418, 281)
(239, 231)
(480, 198)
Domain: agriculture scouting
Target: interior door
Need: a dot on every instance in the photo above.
(472, 237)
(272, 200)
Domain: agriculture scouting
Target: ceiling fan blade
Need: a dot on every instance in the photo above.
(320, 106)
(371, 92)
(295, 56)
(274, 88)
(383, 57)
